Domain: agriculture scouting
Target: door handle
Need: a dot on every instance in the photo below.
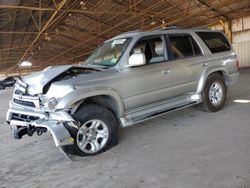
(204, 64)
(166, 71)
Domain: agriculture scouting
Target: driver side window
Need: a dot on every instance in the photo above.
(153, 48)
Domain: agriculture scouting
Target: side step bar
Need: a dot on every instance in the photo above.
(132, 119)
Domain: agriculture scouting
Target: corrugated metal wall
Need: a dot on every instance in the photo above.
(241, 40)
(242, 50)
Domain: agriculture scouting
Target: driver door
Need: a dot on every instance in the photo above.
(148, 83)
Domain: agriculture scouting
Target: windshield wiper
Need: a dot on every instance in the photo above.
(92, 65)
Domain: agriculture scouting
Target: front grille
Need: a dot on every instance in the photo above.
(25, 118)
(19, 92)
(24, 103)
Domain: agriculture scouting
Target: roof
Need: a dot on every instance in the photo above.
(55, 32)
(159, 31)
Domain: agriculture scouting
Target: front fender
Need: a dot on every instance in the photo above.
(83, 93)
(206, 73)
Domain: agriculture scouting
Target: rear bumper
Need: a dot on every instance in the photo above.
(233, 77)
(55, 122)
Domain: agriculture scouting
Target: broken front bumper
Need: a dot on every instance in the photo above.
(28, 121)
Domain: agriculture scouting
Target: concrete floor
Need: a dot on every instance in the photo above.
(185, 149)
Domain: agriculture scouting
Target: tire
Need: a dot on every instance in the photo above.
(2, 86)
(97, 131)
(214, 94)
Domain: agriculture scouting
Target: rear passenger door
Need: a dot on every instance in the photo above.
(187, 60)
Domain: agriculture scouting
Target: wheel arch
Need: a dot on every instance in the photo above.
(208, 72)
(106, 101)
(107, 98)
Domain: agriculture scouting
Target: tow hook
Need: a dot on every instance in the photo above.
(19, 132)
(30, 130)
(40, 130)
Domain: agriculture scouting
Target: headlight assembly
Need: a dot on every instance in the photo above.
(48, 104)
(55, 93)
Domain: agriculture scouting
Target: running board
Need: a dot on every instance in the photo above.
(133, 119)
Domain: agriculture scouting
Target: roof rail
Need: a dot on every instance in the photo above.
(179, 27)
(171, 27)
(201, 27)
(134, 31)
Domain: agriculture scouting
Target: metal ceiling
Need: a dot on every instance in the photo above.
(50, 32)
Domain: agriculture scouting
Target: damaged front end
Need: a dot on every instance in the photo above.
(27, 122)
(36, 113)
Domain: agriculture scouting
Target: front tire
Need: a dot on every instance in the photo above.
(214, 94)
(97, 131)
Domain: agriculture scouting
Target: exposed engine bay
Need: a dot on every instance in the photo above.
(68, 74)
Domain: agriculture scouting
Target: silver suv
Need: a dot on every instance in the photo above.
(130, 78)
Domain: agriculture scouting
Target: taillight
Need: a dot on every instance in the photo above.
(237, 64)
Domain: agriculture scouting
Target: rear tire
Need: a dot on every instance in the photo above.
(214, 94)
(97, 131)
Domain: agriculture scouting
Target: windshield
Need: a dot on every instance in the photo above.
(109, 53)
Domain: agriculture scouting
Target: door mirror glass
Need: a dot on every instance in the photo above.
(137, 59)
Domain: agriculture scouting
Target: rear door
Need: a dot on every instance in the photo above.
(188, 60)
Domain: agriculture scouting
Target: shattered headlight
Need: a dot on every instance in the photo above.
(48, 104)
(55, 93)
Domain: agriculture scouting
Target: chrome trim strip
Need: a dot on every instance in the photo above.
(20, 123)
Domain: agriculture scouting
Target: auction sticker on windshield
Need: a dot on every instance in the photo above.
(118, 41)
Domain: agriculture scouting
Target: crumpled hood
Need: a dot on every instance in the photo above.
(37, 81)
(107, 77)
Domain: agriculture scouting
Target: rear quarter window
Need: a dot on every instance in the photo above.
(215, 41)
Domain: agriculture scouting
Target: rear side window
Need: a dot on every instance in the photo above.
(215, 41)
(183, 46)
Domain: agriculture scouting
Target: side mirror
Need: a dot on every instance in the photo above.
(137, 59)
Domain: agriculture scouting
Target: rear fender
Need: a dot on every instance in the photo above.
(207, 72)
